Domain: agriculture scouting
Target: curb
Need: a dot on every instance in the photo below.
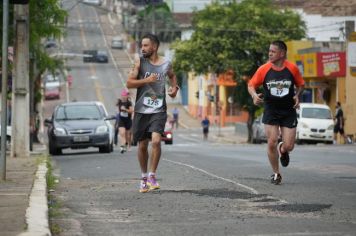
(37, 212)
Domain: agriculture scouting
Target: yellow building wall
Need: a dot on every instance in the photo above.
(193, 88)
(295, 45)
(349, 106)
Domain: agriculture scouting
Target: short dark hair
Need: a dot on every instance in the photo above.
(152, 37)
(280, 44)
(338, 103)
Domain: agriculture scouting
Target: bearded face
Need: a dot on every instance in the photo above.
(146, 53)
(147, 48)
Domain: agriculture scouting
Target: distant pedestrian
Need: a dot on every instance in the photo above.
(149, 75)
(70, 80)
(282, 85)
(175, 113)
(125, 112)
(339, 123)
(205, 123)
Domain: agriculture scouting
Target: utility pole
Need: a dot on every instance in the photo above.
(21, 99)
(153, 19)
(4, 88)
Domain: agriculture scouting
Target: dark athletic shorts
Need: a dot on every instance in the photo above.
(145, 124)
(282, 118)
(125, 122)
(337, 129)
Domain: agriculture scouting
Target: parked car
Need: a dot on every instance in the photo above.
(52, 93)
(258, 131)
(167, 136)
(117, 42)
(101, 56)
(50, 43)
(51, 81)
(79, 125)
(95, 56)
(315, 123)
(93, 2)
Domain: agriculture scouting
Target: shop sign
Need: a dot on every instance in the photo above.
(331, 64)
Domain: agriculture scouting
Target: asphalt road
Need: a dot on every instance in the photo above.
(207, 188)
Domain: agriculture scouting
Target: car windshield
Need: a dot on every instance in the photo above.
(101, 53)
(82, 112)
(316, 113)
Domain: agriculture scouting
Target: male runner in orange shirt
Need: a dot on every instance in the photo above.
(282, 85)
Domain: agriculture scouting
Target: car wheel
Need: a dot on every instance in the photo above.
(105, 149)
(254, 141)
(112, 147)
(53, 150)
(298, 140)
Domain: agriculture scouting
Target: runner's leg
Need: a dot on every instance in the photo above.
(272, 132)
(288, 136)
(156, 151)
(143, 155)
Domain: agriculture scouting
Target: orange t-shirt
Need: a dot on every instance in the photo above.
(278, 83)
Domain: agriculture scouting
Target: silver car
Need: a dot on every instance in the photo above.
(93, 2)
(117, 42)
(79, 125)
(258, 131)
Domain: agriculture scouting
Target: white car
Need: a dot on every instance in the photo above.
(51, 81)
(315, 123)
(258, 131)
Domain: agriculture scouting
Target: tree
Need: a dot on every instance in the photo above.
(236, 36)
(160, 17)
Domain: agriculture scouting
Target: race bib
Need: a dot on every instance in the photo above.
(124, 114)
(153, 101)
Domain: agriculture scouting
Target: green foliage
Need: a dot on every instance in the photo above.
(235, 36)
(46, 20)
(164, 23)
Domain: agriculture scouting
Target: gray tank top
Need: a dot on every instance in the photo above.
(151, 98)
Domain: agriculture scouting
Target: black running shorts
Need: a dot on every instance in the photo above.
(282, 118)
(338, 129)
(125, 122)
(145, 124)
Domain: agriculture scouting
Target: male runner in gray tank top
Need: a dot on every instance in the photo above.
(149, 75)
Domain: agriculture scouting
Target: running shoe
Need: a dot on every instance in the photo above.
(152, 183)
(144, 188)
(276, 179)
(122, 149)
(283, 157)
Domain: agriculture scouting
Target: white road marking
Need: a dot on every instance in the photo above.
(254, 191)
(301, 233)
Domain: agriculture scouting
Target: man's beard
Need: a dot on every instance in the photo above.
(146, 54)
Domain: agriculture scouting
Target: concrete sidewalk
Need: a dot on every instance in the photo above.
(23, 196)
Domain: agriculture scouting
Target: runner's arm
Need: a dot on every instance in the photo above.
(133, 81)
(298, 92)
(173, 89)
